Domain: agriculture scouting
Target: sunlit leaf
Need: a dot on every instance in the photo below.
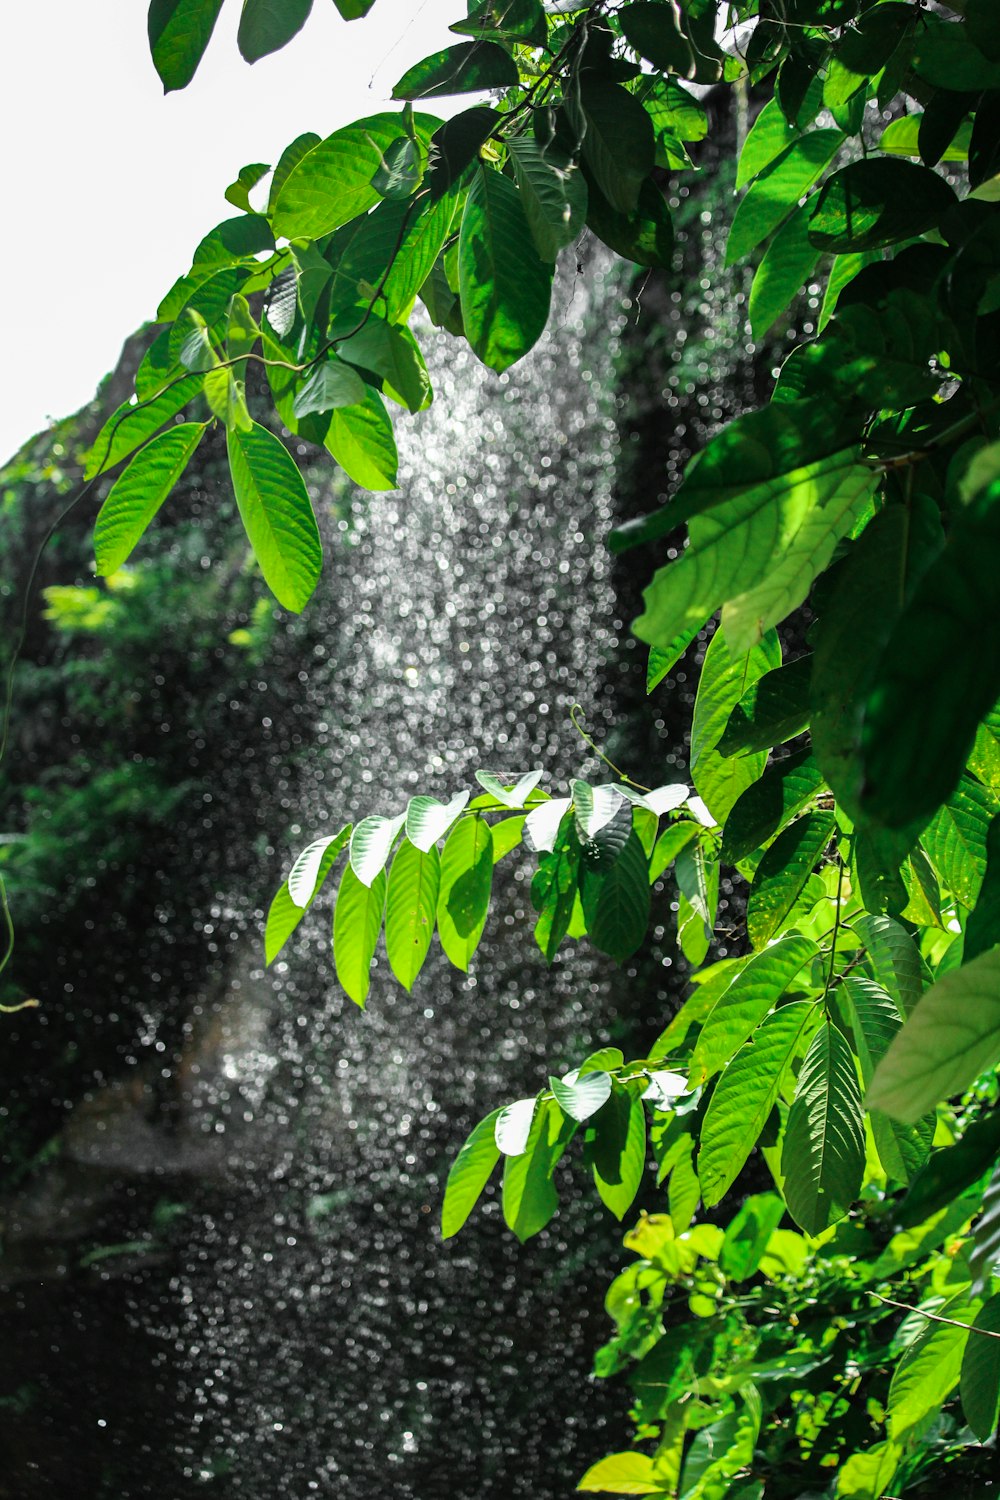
(411, 907)
(138, 493)
(469, 1173)
(357, 922)
(277, 514)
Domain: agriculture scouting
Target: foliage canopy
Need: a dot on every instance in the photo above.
(854, 787)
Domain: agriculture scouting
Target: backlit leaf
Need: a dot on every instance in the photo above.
(411, 907)
(371, 843)
(504, 285)
(469, 1173)
(823, 1158)
(466, 883)
(138, 493)
(781, 875)
(357, 921)
(277, 514)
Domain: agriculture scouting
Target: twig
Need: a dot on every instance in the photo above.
(935, 1317)
(576, 716)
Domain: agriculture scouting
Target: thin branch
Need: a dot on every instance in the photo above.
(576, 715)
(987, 1333)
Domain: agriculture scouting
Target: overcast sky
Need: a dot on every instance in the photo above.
(109, 185)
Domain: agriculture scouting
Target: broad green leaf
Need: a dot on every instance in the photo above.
(877, 202)
(901, 138)
(554, 197)
(393, 248)
(513, 1126)
(952, 1036)
(744, 1097)
(618, 145)
(952, 1170)
(781, 875)
(288, 161)
(946, 55)
(595, 806)
(982, 929)
(875, 1020)
(332, 383)
(286, 911)
(768, 138)
(722, 1449)
(768, 805)
(790, 260)
(529, 1196)
(711, 983)
(393, 353)
(663, 659)
(470, 1172)
(357, 921)
(371, 843)
(399, 175)
(238, 192)
(179, 32)
(775, 708)
(554, 891)
(466, 68)
(237, 239)
(980, 1373)
(622, 1474)
(466, 884)
(655, 33)
(513, 20)
(747, 1234)
(456, 144)
(725, 677)
(504, 285)
(645, 236)
(361, 440)
(674, 838)
(620, 915)
(956, 839)
(823, 1158)
(543, 822)
(760, 545)
(506, 836)
(136, 496)
(428, 820)
(332, 182)
(894, 959)
(266, 25)
(746, 1002)
(777, 190)
(868, 1474)
(133, 422)
(580, 1095)
(929, 1371)
(277, 514)
(511, 792)
(411, 907)
(616, 1150)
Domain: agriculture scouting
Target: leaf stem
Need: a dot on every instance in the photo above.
(987, 1333)
(576, 715)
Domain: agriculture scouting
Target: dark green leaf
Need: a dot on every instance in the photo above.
(945, 55)
(391, 352)
(465, 68)
(877, 202)
(553, 891)
(747, 1235)
(653, 31)
(951, 1171)
(400, 171)
(984, 1257)
(277, 514)
(982, 930)
(823, 1157)
(456, 144)
(790, 260)
(137, 495)
(621, 911)
(645, 237)
(618, 146)
(726, 674)
(266, 25)
(353, 10)
(786, 787)
(179, 32)
(781, 875)
(333, 383)
(956, 837)
(504, 285)
(553, 196)
(980, 1381)
(616, 1149)
(775, 708)
(513, 20)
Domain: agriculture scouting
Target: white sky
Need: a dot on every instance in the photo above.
(109, 185)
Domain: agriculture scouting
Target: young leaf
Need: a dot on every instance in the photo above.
(595, 806)
(470, 1172)
(952, 1036)
(503, 283)
(411, 907)
(286, 911)
(361, 440)
(745, 1003)
(466, 884)
(744, 1097)
(371, 842)
(266, 25)
(782, 873)
(823, 1158)
(277, 514)
(357, 921)
(179, 32)
(428, 820)
(543, 822)
(980, 1377)
(622, 1473)
(137, 495)
(512, 792)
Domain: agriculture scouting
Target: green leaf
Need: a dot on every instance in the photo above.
(929, 1371)
(875, 1020)
(580, 1095)
(470, 1172)
(956, 837)
(778, 189)
(331, 384)
(456, 144)
(773, 709)
(289, 159)
(393, 353)
(725, 677)
(353, 10)
(131, 424)
(747, 1235)
(620, 915)
(674, 838)
(136, 496)
(595, 806)
(371, 843)
(362, 441)
(179, 32)
(951, 1171)
(769, 137)
(663, 659)
(901, 138)
(982, 930)
(744, 1097)
(980, 1376)
(465, 68)
(503, 283)
(466, 884)
(645, 237)
(781, 875)
(554, 890)
(529, 1196)
(618, 146)
(513, 20)
(790, 260)
(292, 901)
(266, 25)
(238, 192)
(411, 907)
(277, 514)
(984, 1257)
(511, 792)
(357, 921)
(946, 56)
(622, 1473)
(952, 1036)
(768, 805)
(894, 958)
(878, 202)
(332, 182)
(823, 1158)
(553, 196)
(513, 1126)
(746, 1002)
(616, 1149)
(428, 820)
